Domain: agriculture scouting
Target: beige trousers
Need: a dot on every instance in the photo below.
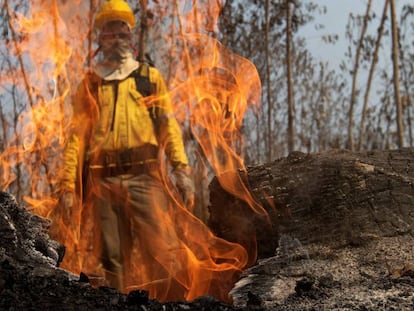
(139, 243)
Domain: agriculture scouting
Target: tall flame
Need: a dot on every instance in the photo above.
(212, 89)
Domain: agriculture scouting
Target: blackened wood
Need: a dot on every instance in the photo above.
(340, 235)
(335, 197)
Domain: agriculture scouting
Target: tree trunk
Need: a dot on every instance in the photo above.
(354, 78)
(268, 85)
(396, 76)
(142, 29)
(371, 75)
(332, 198)
(19, 54)
(291, 104)
(407, 84)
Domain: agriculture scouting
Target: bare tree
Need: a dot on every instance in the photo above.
(407, 66)
(268, 83)
(396, 77)
(291, 104)
(371, 74)
(143, 28)
(355, 76)
(92, 8)
(18, 52)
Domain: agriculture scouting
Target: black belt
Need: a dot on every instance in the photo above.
(136, 161)
(133, 169)
(124, 157)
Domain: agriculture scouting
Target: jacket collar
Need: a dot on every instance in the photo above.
(108, 70)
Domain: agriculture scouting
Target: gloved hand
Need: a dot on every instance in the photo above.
(185, 185)
(67, 205)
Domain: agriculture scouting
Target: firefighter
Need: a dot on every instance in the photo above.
(119, 139)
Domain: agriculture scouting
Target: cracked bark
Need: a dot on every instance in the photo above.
(332, 198)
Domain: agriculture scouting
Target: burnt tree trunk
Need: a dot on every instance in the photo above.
(333, 198)
(339, 235)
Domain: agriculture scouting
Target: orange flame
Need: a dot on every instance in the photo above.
(218, 89)
(212, 88)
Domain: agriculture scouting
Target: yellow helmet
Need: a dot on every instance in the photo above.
(114, 10)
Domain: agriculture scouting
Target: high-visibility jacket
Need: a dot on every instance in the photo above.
(114, 116)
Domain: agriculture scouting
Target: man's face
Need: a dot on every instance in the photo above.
(115, 40)
(115, 30)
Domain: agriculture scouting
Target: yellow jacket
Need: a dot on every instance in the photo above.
(100, 122)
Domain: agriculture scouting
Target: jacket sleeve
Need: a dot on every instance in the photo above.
(73, 153)
(168, 130)
(70, 162)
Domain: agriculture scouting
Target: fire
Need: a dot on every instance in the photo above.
(212, 89)
(218, 89)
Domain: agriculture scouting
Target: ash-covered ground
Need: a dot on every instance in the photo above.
(352, 264)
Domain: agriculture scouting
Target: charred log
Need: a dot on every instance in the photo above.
(339, 232)
(335, 198)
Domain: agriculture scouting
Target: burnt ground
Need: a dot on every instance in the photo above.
(341, 239)
(30, 278)
(372, 274)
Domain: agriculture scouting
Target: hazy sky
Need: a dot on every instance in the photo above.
(335, 21)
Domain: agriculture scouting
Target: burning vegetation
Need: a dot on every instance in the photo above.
(311, 220)
(211, 90)
(342, 242)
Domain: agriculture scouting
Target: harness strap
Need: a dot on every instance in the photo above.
(142, 80)
(141, 76)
